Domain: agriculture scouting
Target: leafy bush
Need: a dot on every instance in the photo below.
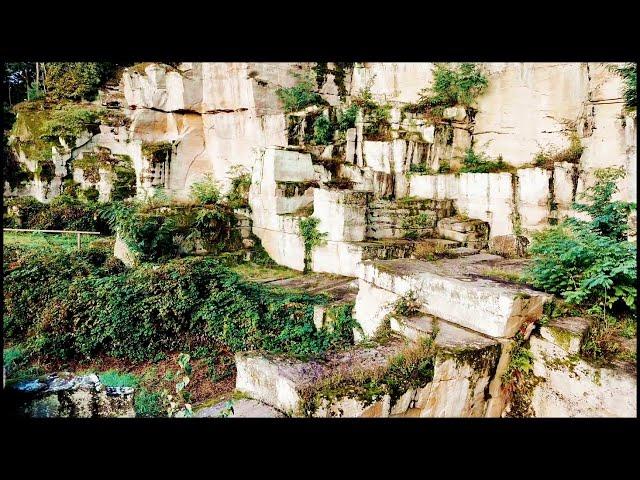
(479, 163)
(452, 86)
(590, 262)
(322, 130)
(347, 118)
(312, 238)
(377, 117)
(62, 213)
(206, 191)
(629, 74)
(70, 306)
(149, 404)
(238, 196)
(75, 80)
(299, 96)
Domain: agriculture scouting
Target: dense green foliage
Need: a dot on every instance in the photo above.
(312, 238)
(322, 130)
(479, 163)
(83, 304)
(347, 118)
(238, 196)
(590, 262)
(68, 123)
(629, 73)
(62, 213)
(75, 80)
(298, 97)
(377, 117)
(160, 229)
(452, 85)
(206, 191)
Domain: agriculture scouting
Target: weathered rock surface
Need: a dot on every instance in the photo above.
(462, 369)
(569, 386)
(448, 289)
(67, 395)
(243, 408)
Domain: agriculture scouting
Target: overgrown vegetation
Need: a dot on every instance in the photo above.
(238, 196)
(300, 96)
(452, 85)
(158, 229)
(62, 213)
(548, 158)
(76, 80)
(413, 367)
(322, 130)
(84, 304)
(590, 262)
(376, 117)
(479, 163)
(311, 237)
(629, 74)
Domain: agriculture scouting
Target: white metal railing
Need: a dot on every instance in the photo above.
(76, 232)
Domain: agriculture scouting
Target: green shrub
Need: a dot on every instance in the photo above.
(479, 163)
(149, 404)
(548, 158)
(422, 168)
(312, 238)
(299, 96)
(206, 191)
(322, 130)
(590, 262)
(347, 118)
(377, 117)
(69, 306)
(68, 123)
(629, 74)
(452, 86)
(76, 80)
(238, 196)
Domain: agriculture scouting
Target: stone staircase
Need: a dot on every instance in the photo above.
(386, 250)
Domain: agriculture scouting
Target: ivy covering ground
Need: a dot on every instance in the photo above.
(84, 304)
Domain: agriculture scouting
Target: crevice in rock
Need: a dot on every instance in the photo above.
(516, 220)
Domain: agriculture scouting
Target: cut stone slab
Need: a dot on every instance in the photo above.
(243, 408)
(449, 289)
(573, 387)
(462, 365)
(567, 333)
(509, 246)
(470, 233)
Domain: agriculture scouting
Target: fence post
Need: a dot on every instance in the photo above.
(78, 241)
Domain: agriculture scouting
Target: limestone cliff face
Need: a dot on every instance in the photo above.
(216, 115)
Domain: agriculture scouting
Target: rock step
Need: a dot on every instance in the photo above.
(449, 289)
(243, 408)
(448, 335)
(472, 232)
(454, 374)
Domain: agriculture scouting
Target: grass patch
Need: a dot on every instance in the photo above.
(504, 275)
(253, 271)
(113, 378)
(45, 240)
